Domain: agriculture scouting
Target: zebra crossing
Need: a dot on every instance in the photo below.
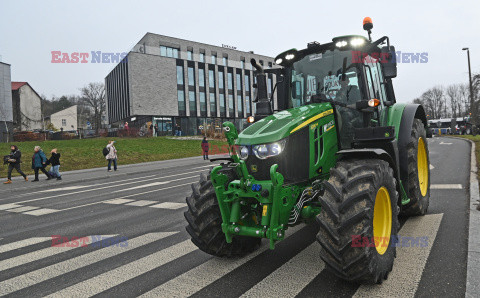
(31, 263)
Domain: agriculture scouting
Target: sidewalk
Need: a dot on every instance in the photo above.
(102, 173)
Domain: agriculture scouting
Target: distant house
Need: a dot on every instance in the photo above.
(27, 107)
(6, 117)
(65, 120)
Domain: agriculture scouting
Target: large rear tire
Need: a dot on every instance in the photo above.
(418, 171)
(359, 209)
(205, 221)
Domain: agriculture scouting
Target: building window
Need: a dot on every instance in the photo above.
(190, 55)
(220, 80)
(231, 110)
(168, 52)
(242, 62)
(239, 82)
(201, 77)
(203, 104)
(247, 103)
(192, 103)
(64, 122)
(202, 57)
(179, 75)
(181, 102)
(222, 105)
(247, 83)
(269, 87)
(213, 106)
(211, 79)
(270, 64)
(214, 59)
(230, 81)
(239, 105)
(225, 61)
(191, 77)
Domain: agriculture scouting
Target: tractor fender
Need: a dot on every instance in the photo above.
(376, 153)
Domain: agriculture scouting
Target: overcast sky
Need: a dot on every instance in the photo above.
(30, 30)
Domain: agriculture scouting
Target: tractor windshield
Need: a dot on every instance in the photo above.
(330, 74)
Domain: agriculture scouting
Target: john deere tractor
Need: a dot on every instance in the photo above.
(338, 149)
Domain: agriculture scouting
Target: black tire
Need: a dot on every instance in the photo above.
(204, 221)
(418, 202)
(347, 210)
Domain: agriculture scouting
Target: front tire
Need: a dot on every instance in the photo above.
(205, 220)
(359, 207)
(418, 171)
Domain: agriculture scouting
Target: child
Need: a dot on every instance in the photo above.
(55, 162)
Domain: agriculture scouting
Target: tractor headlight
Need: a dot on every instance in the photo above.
(243, 152)
(265, 151)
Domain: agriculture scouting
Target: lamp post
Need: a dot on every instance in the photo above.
(472, 101)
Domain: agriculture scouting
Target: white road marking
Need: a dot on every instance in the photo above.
(142, 186)
(141, 203)
(65, 188)
(34, 277)
(297, 273)
(443, 143)
(22, 243)
(118, 201)
(201, 276)
(155, 190)
(445, 186)
(22, 209)
(42, 211)
(126, 272)
(431, 167)
(9, 206)
(169, 205)
(42, 254)
(410, 262)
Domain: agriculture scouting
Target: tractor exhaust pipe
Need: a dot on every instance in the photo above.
(264, 107)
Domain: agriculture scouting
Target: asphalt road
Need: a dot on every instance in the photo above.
(144, 205)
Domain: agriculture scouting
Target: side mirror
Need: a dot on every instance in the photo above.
(297, 90)
(389, 64)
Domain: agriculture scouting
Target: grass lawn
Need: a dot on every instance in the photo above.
(87, 153)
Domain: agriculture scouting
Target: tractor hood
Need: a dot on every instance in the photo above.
(280, 125)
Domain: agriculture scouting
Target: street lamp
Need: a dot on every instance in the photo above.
(472, 101)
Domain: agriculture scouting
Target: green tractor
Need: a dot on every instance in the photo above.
(338, 149)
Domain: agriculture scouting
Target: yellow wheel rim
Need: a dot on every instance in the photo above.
(382, 220)
(422, 166)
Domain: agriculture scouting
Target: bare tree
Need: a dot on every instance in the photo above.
(452, 93)
(93, 95)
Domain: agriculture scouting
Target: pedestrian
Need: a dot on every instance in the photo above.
(39, 161)
(205, 147)
(54, 161)
(155, 130)
(13, 161)
(111, 156)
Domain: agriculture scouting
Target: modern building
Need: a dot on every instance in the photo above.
(6, 112)
(27, 107)
(182, 85)
(66, 120)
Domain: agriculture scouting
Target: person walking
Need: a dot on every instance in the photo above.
(39, 161)
(55, 163)
(111, 156)
(205, 147)
(14, 163)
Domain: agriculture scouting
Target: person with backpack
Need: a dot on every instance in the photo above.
(39, 161)
(111, 155)
(54, 161)
(13, 160)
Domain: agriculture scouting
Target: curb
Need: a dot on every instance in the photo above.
(473, 258)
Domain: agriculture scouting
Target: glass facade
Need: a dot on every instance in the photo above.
(230, 81)
(192, 103)
(231, 108)
(191, 77)
(214, 59)
(201, 77)
(213, 105)
(181, 102)
(225, 61)
(220, 79)
(240, 105)
(179, 75)
(211, 79)
(203, 104)
(202, 57)
(190, 55)
(222, 105)
(247, 103)
(242, 64)
(168, 52)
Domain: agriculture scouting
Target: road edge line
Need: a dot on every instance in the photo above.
(473, 263)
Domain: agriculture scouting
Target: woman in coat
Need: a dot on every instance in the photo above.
(39, 161)
(111, 156)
